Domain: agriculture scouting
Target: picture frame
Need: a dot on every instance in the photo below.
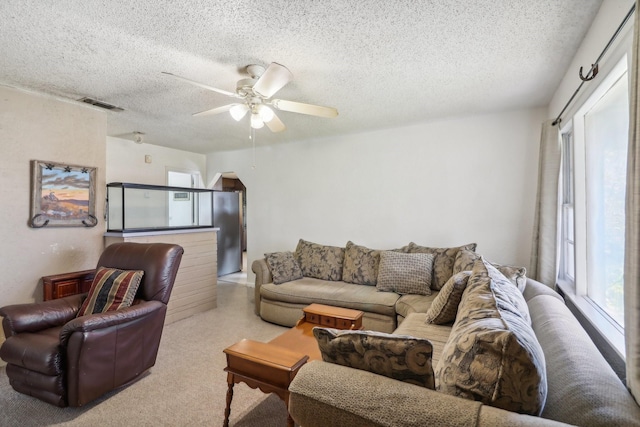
(62, 195)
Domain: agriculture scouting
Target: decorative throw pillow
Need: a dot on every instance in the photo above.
(400, 357)
(442, 263)
(360, 265)
(405, 273)
(492, 354)
(445, 305)
(465, 260)
(111, 290)
(283, 266)
(319, 261)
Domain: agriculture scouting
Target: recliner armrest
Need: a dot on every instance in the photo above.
(93, 322)
(35, 317)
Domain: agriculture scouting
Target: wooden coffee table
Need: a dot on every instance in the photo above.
(272, 366)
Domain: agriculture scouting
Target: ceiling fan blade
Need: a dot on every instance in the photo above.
(213, 111)
(299, 107)
(275, 124)
(274, 78)
(202, 85)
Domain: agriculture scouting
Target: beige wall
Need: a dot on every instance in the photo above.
(36, 127)
(126, 161)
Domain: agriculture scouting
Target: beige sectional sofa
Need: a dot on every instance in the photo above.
(575, 384)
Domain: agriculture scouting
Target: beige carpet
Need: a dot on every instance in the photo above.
(186, 387)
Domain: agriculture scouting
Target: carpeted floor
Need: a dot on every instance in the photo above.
(186, 387)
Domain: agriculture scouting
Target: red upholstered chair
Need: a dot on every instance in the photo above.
(69, 361)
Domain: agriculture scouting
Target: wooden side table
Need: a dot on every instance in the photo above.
(66, 284)
(333, 317)
(272, 366)
(263, 365)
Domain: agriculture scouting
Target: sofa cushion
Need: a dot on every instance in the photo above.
(320, 261)
(400, 357)
(493, 355)
(360, 265)
(405, 273)
(309, 290)
(443, 261)
(111, 289)
(412, 303)
(445, 306)
(415, 325)
(465, 259)
(283, 267)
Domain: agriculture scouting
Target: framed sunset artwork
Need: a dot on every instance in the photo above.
(62, 195)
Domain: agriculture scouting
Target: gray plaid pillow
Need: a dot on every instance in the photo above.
(405, 273)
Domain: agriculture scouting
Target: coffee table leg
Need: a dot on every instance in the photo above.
(285, 397)
(227, 410)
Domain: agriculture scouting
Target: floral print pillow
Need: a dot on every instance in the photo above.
(465, 259)
(443, 262)
(492, 354)
(400, 357)
(320, 261)
(444, 307)
(360, 265)
(283, 266)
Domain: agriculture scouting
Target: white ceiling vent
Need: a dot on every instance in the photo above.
(100, 104)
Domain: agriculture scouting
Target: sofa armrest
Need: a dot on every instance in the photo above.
(35, 317)
(324, 394)
(263, 275)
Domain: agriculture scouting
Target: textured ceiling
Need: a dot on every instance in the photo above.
(381, 63)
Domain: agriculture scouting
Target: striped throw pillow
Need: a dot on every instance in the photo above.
(111, 290)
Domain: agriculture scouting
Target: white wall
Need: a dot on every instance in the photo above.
(449, 182)
(36, 127)
(126, 162)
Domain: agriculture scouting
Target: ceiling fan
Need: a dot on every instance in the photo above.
(254, 96)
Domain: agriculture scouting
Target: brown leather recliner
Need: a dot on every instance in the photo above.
(69, 361)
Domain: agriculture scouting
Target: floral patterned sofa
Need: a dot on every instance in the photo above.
(286, 282)
(471, 343)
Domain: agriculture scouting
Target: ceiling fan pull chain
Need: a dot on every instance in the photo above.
(252, 137)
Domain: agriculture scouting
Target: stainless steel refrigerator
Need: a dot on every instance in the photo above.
(227, 216)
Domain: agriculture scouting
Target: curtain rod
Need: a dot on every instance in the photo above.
(594, 67)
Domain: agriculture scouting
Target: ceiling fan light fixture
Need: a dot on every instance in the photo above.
(266, 113)
(256, 121)
(238, 111)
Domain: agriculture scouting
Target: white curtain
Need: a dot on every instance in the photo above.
(545, 229)
(632, 231)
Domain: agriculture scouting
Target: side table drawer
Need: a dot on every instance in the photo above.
(328, 321)
(313, 318)
(343, 323)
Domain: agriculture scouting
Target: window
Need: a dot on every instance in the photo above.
(592, 186)
(567, 264)
(606, 138)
